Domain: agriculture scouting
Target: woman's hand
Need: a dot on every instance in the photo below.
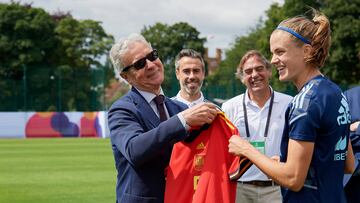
(239, 146)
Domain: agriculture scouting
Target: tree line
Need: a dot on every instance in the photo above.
(50, 62)
(342, 66)
(66, 54)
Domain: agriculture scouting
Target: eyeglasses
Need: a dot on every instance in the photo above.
(140, 64)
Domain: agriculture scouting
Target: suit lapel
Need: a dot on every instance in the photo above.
(171, 107)
(147, 113)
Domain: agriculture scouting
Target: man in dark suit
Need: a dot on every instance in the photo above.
(142, 131)
(353, 185)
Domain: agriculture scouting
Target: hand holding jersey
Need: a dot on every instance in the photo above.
(202, 170)
(238, 145)
(200, 114)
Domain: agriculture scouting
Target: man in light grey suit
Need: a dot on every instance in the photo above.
(144, 124)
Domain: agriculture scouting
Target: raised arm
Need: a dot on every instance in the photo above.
(290, 174)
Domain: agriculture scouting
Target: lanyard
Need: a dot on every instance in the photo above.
(267, 120)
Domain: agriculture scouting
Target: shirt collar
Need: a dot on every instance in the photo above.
(148, 95)
(189, 104)
(248, 100)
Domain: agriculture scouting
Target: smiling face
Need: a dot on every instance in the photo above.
(255, 75)
(288, 57)
(190, 74)
(148, 78)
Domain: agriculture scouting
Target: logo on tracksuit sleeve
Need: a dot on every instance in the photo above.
(343, 119)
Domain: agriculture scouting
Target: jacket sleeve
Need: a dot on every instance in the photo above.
(135, 140)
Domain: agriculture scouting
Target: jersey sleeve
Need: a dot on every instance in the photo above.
(305, 119)
(239, 165)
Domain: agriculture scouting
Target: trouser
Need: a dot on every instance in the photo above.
(352, 188)
(259, 193)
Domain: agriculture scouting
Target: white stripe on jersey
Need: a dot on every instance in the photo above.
(297, 117)
(299, 99)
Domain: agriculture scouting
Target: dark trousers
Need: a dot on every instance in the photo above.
(352, 188)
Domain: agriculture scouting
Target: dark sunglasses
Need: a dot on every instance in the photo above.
(139, 64)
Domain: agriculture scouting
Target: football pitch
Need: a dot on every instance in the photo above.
(56, 170)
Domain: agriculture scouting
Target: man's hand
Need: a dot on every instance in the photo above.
(200, 114)
(354, 126)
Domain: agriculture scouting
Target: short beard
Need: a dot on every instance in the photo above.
(191, 91)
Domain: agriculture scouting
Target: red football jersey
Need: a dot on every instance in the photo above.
(203, 171)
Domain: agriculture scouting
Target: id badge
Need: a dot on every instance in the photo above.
(259, 145)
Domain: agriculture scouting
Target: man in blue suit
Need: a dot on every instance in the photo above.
(142, 131)
(352, 187)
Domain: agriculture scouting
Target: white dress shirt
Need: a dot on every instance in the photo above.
(257, 117)
(189, 104)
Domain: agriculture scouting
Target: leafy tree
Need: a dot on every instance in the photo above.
(223, 81)
(81, 45)
(344, 16)
(343, 64)
(169, 40)
(27, 35)
(83, 42)
(293, 7)
(257, 38)
(53, 60)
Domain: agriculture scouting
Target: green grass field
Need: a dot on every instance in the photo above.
(56, 170)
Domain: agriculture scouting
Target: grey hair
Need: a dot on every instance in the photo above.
(189, 53)
(120, 48)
